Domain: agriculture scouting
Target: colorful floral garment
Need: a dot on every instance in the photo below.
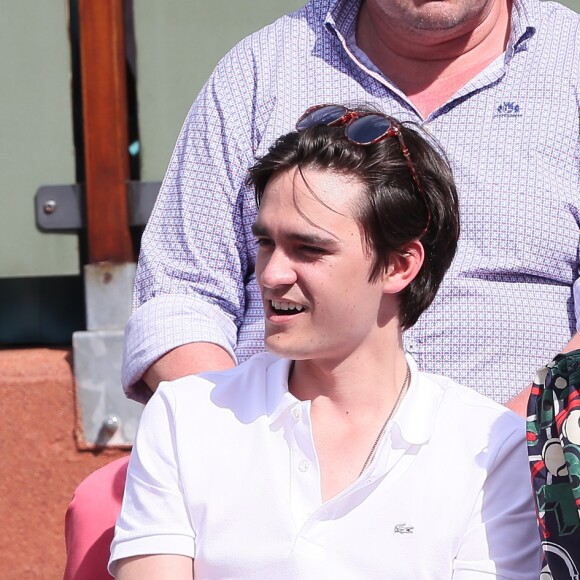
(554, 450)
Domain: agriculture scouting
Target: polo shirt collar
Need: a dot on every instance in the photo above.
(278, 398)
(415, 418)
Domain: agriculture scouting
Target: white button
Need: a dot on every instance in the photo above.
(296, 413)
(303, 465)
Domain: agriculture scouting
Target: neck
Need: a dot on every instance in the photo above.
(430, 65)
(363, 381)
(351, 402)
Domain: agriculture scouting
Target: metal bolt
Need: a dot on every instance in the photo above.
(49, 206)
(111, 424)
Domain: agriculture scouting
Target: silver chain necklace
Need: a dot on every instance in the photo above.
(399, 397)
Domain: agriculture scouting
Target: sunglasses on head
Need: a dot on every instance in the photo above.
(361, 128)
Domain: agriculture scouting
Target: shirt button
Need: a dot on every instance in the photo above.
(296, 413)
(303, 465)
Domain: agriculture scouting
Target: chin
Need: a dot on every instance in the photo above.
(285, 349)
(276, 347)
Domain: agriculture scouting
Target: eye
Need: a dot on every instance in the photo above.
(312, 250)
(308, 253)
(264, 242)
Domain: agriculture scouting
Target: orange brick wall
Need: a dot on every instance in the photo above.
(40, 465)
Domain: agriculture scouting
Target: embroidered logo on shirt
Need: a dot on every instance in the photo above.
(403, 529)
(508, 109)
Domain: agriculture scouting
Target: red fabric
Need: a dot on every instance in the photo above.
(90, 522)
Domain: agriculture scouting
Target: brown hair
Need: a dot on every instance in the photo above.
(392, 212)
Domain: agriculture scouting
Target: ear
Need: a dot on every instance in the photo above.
(404, 265)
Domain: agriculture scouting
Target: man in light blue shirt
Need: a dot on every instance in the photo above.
(506, 113)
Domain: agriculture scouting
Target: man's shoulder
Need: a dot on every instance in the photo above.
(471, 425)
(310, 16)
(552, 18)
(227, 401)
(271, 50)
(536, 11)
(558, 10)
(470, 407)
(552, 29)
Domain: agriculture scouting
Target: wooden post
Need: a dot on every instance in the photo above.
(104, 98)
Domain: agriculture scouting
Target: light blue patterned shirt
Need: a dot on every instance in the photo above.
(512, 136)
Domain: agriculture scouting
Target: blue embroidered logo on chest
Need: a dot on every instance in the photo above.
(508, 109)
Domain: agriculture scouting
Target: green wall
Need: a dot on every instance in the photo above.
(178, 42)
(37, 140)
(178, 45)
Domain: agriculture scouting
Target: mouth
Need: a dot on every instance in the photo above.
(284, 308)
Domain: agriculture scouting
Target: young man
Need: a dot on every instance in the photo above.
(485, 77)
(332, 456)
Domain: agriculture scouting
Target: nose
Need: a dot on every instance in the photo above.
(276, 269)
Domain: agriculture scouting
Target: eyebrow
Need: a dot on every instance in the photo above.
(261, 230)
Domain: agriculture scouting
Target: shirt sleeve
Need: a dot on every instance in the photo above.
(194, 256)
(502, 539)
(154, 518)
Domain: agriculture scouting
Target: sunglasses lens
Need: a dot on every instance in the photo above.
(322, 116)
(368, 129)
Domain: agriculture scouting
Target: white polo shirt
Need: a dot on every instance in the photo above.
(224, 470)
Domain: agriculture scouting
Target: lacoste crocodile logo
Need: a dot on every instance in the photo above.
(403, 529)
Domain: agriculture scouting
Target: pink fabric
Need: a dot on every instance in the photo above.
(90, 522)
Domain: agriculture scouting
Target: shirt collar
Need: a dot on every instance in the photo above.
(278, 398)
(342, 15)
(416, 415)
(526, 14)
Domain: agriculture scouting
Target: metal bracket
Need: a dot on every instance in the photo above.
(107, 417)
(61, 207)
(141, 196)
